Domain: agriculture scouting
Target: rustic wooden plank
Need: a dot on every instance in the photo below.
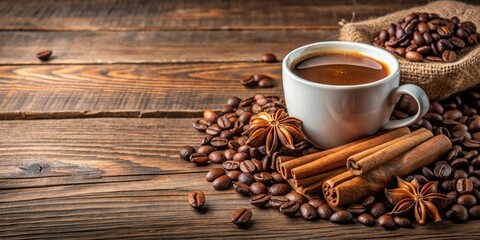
(115, 15)
(56, 152)
(152, 202)
(153, 47)
(179, 90)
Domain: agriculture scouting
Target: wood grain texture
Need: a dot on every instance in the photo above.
(153, 47)
(121, 178)
(121, 15)
(123, 90)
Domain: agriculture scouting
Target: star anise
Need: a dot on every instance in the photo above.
(270, 130)
(424, 201)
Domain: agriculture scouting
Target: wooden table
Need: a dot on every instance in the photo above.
(89, 140)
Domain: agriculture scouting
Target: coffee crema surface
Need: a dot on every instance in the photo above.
(341, 68)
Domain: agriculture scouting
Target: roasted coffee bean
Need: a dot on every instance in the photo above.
(234, 174)
(224, 123)
(258, 188)
(467, 200)
(421, 179)
(279, 189)
(263, 177)
(200, 126)
(414, 56)
(231, 165)
(221, 183)
(454, 153)
(219, 142)
(217, 157)
(247, 166)
(368, 201)
(474, 212)
(366, 219)
(428, 173)
(228, 134)
(197, 199)
(457, 214)
(356, 209)
(269, 58)
(316, 202)
(214, 173)
(246, 178)
(258, 165)
(289, 208)
(476, 163)
(277, 201)
(387, 222)
(459, 163)
(199, 159)
(449, 56)
(453, 114)
(378, 209)
(442, 130)
(403, 222)
(255, 153)
(205, 149)
(233, 144)
(228, 109)
(244, 149)
(442, 171)
(471, 154)
(424, 50)
(341, 217)
(325, 212)
(248, 81)
(475, 182)
(459, 174)
(240, 157)
(277, 177)
(44, 55)
(241, 188)
(447, 185)
(474, 125)
(210, 115)
(308, 212)
(242, 216)
(265, 83)
(206, 140)
(260, 200)
(234, 101)
(186, 151)
(296, 197)
(452, 196)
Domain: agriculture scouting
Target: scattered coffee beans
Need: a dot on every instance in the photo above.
(242, 216)
(196, 199)
(44, 55)
(186, 151)
(269, 58)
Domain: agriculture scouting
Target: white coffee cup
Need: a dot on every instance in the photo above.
(333, 115)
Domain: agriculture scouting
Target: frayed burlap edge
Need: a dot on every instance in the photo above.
(439, 80)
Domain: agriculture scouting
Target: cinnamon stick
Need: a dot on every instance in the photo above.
(336, 180)
(285, 168)
(281, 160)
(367, 160)
(377, 179)
(305, 182)
(339, 158)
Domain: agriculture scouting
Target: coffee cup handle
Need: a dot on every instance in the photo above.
(420, 97)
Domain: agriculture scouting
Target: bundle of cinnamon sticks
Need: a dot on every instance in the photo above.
(350, 172)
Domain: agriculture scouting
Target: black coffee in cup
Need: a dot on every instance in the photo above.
(340, 68)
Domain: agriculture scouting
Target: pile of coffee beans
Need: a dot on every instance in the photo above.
(249, 170)
(458, 173)
(422, 36)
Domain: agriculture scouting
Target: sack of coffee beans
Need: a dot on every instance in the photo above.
(439, 78)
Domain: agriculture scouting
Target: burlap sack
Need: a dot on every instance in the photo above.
(439, 80)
